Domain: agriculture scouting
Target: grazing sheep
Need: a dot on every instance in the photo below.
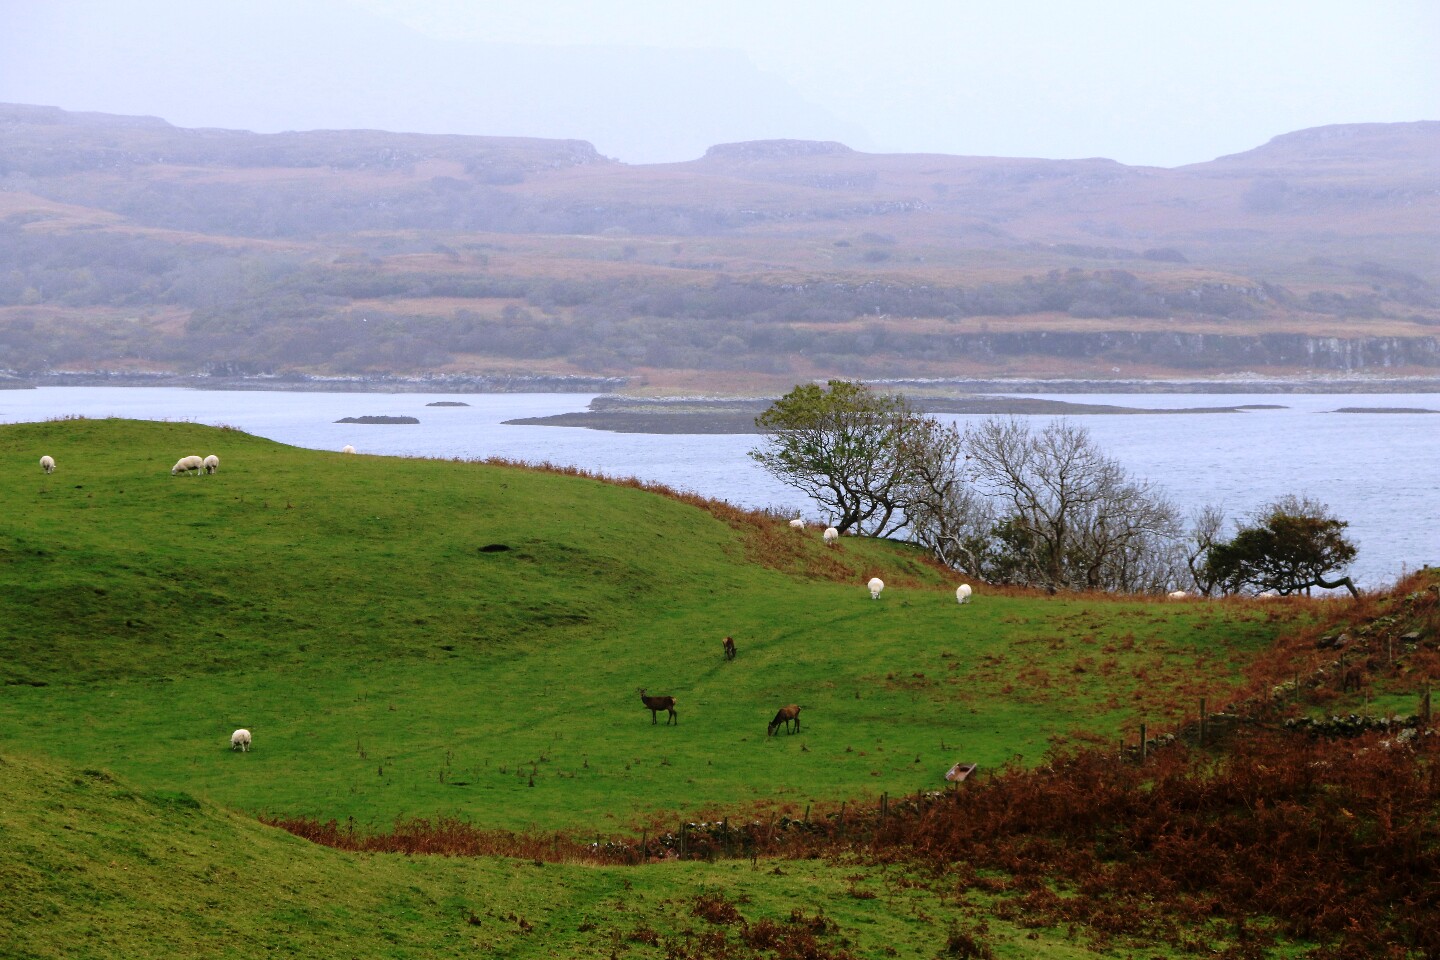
(347, 449)
(656, 704)
(47, 464)
(797, 524)
(831, 534)
(729, 649)
(240, 740)
(785, 715)
(211, 463)
(186, 464)
(875, 585)
(962, 593)
(1178, 595)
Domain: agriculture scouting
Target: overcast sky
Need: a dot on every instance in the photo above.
(1141, 81)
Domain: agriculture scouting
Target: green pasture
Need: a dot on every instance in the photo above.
(95, 866)
(342, 609)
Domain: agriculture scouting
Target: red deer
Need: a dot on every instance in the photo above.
(729, 649)
(785, 715)
(656, 704)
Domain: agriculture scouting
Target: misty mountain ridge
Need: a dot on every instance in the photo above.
(131, 243)
(337, 67)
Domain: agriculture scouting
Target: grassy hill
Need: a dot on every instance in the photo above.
(134, 245)
(358, 615)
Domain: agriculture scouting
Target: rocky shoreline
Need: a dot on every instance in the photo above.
(573, 383)
(307, 384)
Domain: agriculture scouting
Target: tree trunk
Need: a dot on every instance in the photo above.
(1345, 582)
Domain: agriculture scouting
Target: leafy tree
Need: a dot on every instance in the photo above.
(864, 456)
(1290, 545)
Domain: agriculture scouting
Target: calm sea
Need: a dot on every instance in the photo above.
(1379, 471)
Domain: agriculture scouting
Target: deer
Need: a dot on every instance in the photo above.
(785, 715)
(729, 649)
(656, 704)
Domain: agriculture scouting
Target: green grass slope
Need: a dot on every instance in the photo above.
(94, 866)
(343, 609)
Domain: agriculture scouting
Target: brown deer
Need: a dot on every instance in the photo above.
(785, 715)
(656, 704)
(729, 649)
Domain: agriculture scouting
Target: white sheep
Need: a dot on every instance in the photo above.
(875, 585)
(347, 449)
(1178, 595)
(831, 534)
(47, 464)
(962, 593)
(797, 524)
(186, 464)
(211, 463)
(240, 740)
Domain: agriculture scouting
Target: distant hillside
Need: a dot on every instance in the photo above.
(132, 244)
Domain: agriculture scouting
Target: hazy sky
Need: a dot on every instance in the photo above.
(1140, 81)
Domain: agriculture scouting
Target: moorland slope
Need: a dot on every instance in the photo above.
(136, 246)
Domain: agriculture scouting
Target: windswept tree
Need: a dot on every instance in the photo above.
(1064, 515)
(1290, 545)
(865, 457)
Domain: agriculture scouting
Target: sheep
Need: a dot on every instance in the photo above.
(1178, 595)
(784, 715)
(347, 449)
(797, 524)
(211, 463)
(875, 585)
(831, 534)
(962, 593)
(729, 646)
(47, 463)
(186, 464)
(656, 704)
(240, 740)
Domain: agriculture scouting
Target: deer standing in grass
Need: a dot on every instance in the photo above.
(656, 704)
(729, 649)
(785, 715)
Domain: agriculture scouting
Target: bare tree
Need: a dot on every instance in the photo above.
(1067, 516)
(1205, 533)
(946, 515)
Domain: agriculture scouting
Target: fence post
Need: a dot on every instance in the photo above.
(684, 830)
(1142, 742)
(1202, 721)
(842, 818)
(644, 849)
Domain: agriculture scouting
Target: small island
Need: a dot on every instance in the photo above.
(447, 403)
(377, 420)
(1386, 410)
